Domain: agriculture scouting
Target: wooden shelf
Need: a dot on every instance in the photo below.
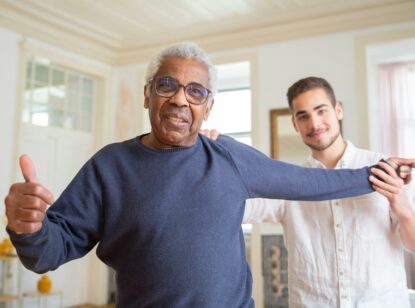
(42, 298)
(9, 298)
(39, 294)
(3, 257)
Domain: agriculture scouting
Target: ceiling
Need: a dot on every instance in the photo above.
(126, 31)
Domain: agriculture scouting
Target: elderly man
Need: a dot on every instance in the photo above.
(148, 203)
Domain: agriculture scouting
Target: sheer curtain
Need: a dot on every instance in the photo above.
(397, 108)
(397, 115)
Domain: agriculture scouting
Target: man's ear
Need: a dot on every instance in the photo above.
(338, 108)
(146, 96)
(209, 106)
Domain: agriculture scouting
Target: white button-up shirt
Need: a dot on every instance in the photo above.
(341, 253)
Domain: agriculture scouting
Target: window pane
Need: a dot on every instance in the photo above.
(73, 102)
(40, 94)
(73, 83)
(41, 72)
(58, 78)
(58, 89)
(55, 117)
(72, 121)
(56, 101)
(40, 115)
(57, 96)
(231, 112)
(86, 105)
(87, 87)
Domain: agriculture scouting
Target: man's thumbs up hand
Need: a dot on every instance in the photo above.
(26, 202)
(28, 169)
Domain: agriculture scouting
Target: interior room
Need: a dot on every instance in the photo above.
(72, 79)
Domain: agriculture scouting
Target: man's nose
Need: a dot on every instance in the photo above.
(179, 98)
(314, 121)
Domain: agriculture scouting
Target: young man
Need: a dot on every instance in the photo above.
(147, 201)
(342, 253)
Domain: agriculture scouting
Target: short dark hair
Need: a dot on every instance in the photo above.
(307, 84)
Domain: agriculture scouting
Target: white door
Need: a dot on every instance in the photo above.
(58, 154)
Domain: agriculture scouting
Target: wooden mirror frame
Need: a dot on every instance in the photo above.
(274, 115)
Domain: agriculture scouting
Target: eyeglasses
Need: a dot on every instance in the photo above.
(194, 92)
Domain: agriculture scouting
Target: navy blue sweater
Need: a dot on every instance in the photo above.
(169, 221)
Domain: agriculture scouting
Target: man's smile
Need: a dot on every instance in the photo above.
(176, 119)
(317, 133)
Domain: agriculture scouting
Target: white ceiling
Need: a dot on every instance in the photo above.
(127, 30)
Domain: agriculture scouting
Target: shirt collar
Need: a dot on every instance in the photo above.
(344, 161)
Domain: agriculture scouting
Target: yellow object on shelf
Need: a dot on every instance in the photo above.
(44, 285)
(6, 247)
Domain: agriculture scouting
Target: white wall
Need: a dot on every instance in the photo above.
(128, 96)
(9, 68)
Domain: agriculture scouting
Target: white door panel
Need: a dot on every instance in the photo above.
(58, 154)
(70, 157)
(41, 150)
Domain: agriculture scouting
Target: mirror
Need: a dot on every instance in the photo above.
(286, 143)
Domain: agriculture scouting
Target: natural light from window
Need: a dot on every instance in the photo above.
(231, 112)
(408, 132)
(57, 97)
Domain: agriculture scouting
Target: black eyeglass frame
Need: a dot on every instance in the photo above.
(178, 88)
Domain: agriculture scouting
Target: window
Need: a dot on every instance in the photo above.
(231, 113)
(409, 116)
(58, 97)
(397, 109)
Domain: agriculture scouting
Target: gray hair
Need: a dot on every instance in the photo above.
(184, 50)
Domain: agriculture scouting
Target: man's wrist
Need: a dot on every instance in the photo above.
(405, 214)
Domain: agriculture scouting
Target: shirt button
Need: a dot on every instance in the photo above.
(344, 296)
(337, 203)
(338, 225)
(340, 250)
(341, 273)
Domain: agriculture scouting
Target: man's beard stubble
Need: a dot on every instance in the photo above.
(323, 146)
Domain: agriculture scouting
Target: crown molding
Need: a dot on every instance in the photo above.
(20, 21)
(81, 37)
(281, 31)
